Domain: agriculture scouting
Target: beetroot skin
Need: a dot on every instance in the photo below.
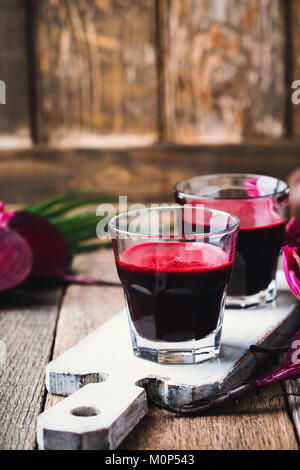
(50, 251)
(15, 255)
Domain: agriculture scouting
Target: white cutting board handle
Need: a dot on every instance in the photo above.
(98, 416)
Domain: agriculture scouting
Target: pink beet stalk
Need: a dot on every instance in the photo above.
(291, 267)
(86, 281)
(5, 216)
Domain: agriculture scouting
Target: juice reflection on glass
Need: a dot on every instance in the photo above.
(260, 202)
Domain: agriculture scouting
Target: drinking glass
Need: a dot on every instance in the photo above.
(175, 279)
(260, 202)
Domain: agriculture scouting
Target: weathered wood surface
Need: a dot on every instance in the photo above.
(97, 78)
(27, 328)
(293, 389)
(224, 69)
(85, 309)
(294, 65)
(123, 72)
(253, 423)
(144, 174)
(14, 115)
(106, 355)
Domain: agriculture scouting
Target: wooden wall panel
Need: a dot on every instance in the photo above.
(14, 115)
(223, 69)
(97, 79)
(294, 28)
(144, 174)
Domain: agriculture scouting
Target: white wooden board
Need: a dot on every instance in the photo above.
(106, 356)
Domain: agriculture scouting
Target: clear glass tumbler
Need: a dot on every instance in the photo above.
(175, 279)
(260, 202)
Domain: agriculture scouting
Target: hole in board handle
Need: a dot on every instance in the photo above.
(85, 411)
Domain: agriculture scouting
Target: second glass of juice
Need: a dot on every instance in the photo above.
(175, 279)
(260, 202)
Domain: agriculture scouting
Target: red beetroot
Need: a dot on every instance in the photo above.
(50, 251)
(15, 254)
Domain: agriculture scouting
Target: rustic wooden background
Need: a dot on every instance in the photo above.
(129, 96)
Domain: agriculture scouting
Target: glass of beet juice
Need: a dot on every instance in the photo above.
(260, 202)
(175, 279)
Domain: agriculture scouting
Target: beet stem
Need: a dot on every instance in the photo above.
(88, 281)
(264, 349)
(209, 403)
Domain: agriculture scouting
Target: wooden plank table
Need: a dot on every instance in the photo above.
(38, 326)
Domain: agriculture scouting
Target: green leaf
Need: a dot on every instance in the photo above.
(75, 219)
(41, 207)
(71, 228)
(80, 236)
(63, 208)
(76, 228)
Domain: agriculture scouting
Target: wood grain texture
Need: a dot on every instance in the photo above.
(27, 327)
(223, 69)
(250, 424)
(14, 115)
(293, 388)
(254, 423)
(109, 351)
(295, 63)
(97, 79)
(144, 174)
(86, 308)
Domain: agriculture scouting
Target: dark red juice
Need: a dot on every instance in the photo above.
(259, 241)
(256, 258)
(174, 290)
